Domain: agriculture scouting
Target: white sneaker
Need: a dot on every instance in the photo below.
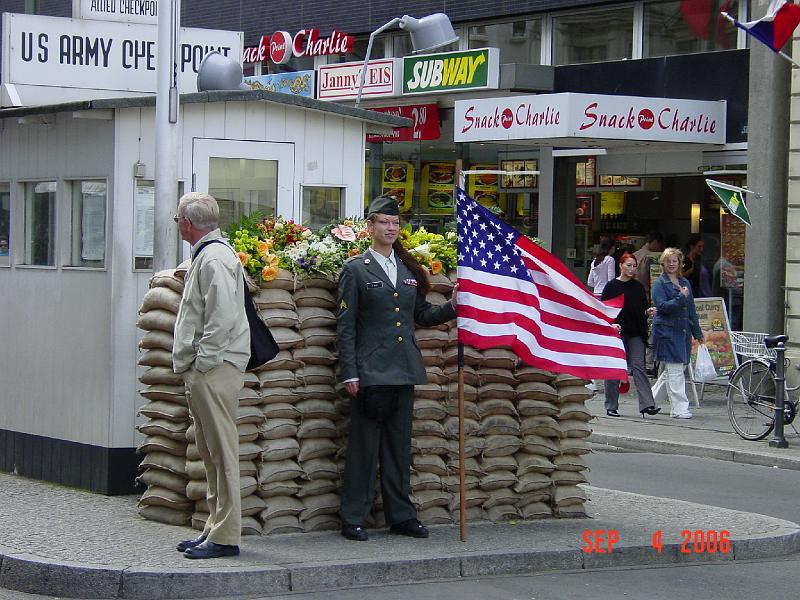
(686, 415)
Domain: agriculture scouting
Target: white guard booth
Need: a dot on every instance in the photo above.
(76, 193)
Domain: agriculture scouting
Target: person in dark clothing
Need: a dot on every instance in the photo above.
(631, 322)
(693, 264)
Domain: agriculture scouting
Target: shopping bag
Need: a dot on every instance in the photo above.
(704, 370)
(659, 389)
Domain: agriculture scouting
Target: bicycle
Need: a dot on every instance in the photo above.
(752, 386)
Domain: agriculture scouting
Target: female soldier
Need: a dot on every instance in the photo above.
(381, 295)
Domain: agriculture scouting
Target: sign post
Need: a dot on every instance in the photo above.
(716, 328)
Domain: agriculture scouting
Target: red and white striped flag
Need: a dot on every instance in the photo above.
(515, 294)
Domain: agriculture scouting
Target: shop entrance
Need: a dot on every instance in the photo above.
(246, 177)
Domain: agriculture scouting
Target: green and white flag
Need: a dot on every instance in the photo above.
(732, 197)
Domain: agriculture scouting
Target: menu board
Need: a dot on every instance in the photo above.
(733, 233)
(484, 187)
(437, 187)
(398, 181)
(717, 334)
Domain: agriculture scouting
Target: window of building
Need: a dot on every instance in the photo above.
(402, 45)
(39, 223)
(87, 224)
(5, 223)
(593, 36)
(359, 52)
(519, 41)
(675, 27)
(321, 205)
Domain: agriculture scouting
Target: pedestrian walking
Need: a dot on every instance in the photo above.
(603, 266)
(674, 325)
(381, 296)
(631, 322)
(211, 349)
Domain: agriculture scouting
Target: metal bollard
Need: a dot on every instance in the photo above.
(778, 440)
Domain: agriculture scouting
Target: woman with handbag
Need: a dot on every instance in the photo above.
(673, 327)
(631, 322)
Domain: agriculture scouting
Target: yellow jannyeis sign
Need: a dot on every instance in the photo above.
(452, 71)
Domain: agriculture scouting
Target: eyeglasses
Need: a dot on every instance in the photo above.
(176, 218)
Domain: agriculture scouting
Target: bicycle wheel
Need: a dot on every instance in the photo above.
(751, 400)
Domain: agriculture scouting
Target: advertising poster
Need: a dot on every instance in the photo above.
(398, 181)
(484, 187)
(732, 238)
(713, 319)
(437, 187)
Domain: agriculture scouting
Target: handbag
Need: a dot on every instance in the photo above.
(263, 347)
(704, 369)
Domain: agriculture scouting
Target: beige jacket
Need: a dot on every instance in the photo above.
(212, 325)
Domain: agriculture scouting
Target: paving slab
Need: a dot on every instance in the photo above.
(71, 543)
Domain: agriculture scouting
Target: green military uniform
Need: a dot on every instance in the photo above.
(375, 328)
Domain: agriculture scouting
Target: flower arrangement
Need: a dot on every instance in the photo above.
(265, 244)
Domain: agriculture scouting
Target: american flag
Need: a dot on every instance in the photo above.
(515, 294)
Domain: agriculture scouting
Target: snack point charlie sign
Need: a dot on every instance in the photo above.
(53, 59)
(570, 115)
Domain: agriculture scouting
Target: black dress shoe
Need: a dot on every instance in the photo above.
(209, 549)
(411, 528)
(354, 532)
(186, 544)
(650, 410)
(612, 413)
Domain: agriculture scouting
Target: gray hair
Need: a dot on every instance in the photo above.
(201, 209)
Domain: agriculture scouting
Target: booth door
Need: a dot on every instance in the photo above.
(246, 177)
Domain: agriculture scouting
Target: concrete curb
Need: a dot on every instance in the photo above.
(699, 450)
(31, 574)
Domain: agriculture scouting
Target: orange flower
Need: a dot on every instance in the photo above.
(269, 273)
(363, 234)
(348, 222)
(271, 260)
(262, 247)
(436, 267)
(244, 258)
(353, 252)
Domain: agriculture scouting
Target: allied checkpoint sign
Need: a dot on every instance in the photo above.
(49, 60)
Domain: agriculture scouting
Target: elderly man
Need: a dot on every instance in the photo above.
(211, 349)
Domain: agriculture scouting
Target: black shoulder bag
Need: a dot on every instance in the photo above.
(263, 347)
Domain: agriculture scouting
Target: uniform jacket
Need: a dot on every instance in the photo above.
(375, 324)
(675, 322)
(212, 326)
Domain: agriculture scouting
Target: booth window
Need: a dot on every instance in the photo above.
(593, 36)
(675, 27)
(322, 205)
(87, 224)
(5, 223)
(39, 218)
(243, 186)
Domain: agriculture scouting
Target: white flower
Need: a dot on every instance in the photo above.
(278, 226)
(306, 233)
(424, 250)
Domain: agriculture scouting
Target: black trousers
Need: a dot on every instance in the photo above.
(387, 440)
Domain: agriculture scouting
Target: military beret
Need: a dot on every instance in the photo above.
(385, 205)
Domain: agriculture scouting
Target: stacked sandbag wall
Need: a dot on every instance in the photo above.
(525, 427)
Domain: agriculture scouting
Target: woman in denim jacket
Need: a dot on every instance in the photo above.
(673, 327)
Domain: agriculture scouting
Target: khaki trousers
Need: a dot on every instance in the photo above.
(213, 399)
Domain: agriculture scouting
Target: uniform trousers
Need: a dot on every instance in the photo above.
(213, 399)
(387, 440)
(634, 350)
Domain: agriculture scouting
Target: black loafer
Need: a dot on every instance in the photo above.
(612, 413)
(186, 544)
(411, 528)
(354, 532)
(209, 549)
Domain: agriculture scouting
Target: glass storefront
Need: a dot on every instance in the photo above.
(675, 27)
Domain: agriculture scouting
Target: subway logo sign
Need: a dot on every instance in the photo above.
(451, 71)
